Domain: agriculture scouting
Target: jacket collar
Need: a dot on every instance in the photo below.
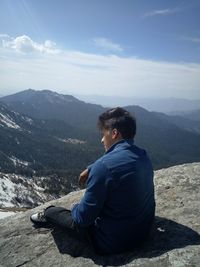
(122, 142)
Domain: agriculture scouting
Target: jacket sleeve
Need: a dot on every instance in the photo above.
(95, 195)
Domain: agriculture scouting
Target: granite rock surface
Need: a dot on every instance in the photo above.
(175, 240)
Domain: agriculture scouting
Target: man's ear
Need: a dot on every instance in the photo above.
(115, 133)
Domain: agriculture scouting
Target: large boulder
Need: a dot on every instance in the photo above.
(175, 241)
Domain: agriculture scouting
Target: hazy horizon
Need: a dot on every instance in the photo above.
(65, 92)
(166, 105)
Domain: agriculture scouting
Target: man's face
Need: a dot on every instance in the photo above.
(109, 138)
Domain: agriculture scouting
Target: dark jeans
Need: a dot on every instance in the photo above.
(61, 217)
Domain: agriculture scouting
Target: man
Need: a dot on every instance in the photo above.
(118, 207)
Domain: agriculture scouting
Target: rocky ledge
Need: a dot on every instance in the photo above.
(175, 240)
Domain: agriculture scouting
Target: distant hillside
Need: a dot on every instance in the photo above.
(165, 105)
(46, 104)
(168, 142)
(193, 115)
(182, 122)
(43, 147)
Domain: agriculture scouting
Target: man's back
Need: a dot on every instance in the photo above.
(120, 197)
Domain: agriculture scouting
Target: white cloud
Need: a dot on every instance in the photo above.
(83, 73)
(160, 12)
(107, 44)
(183, 5)
(24, 44)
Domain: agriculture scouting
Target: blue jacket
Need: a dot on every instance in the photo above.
(118, 205)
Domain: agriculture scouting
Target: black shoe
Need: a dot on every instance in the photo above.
(38, 218)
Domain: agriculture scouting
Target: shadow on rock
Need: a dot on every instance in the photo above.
(167, 235)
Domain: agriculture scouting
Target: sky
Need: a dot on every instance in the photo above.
(142, 48)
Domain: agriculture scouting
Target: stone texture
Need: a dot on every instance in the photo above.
(175, 240)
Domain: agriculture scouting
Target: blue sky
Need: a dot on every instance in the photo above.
(107, 47)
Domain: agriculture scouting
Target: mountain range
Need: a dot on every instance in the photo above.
(43, 132)
(193, 115)
(166, 105)
(30, 146)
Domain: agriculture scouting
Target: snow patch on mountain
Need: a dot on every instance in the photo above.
(13, 119)
(7, 194)
(73, 141)
(19, 162)
(6, 120)
(21, 191)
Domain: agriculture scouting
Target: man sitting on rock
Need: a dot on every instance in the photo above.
(118, 207)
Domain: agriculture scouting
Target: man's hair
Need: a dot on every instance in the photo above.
(120, 119)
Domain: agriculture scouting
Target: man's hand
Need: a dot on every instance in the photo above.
(83, 177)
